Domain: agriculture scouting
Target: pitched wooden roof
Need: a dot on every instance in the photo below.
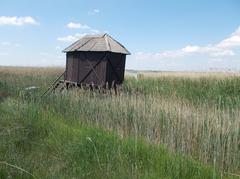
(97, 43)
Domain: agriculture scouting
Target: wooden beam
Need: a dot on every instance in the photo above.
(92, 68)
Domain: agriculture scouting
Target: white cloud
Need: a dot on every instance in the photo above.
(232, 41)
(96, 10)
(222, 49)
(5, 43)
(95, 31)
(93, 12)
(71, 38)
(222, 53)
(9, 44)
(190, 49)
(17, 21)
(72, 25)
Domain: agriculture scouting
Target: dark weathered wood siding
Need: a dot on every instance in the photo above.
(115, 68)
(96, 68)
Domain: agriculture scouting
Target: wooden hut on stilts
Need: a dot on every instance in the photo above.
(95, 61)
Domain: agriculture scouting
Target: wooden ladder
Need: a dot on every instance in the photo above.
(53, 86)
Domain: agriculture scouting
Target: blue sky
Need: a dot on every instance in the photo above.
(175, 35)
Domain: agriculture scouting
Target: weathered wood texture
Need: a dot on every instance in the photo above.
(95, 68)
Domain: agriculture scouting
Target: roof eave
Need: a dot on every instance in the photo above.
(66, 51)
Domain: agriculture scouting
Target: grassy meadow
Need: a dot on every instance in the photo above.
(160, 125)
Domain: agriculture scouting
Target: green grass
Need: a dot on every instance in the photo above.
(162, 127)
(48, 145)
(220, 92)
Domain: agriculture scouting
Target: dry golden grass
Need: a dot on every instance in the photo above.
(32, 71)
(48, 71)
(218, 75)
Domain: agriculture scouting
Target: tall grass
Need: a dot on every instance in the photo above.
(208, 134)
(223, 92)
(48, 144)
(195, 117)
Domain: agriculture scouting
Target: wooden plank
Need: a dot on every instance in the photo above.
(113, 69)
(92, 68)
(53, 85)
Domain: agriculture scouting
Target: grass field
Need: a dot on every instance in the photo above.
(161, 125)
